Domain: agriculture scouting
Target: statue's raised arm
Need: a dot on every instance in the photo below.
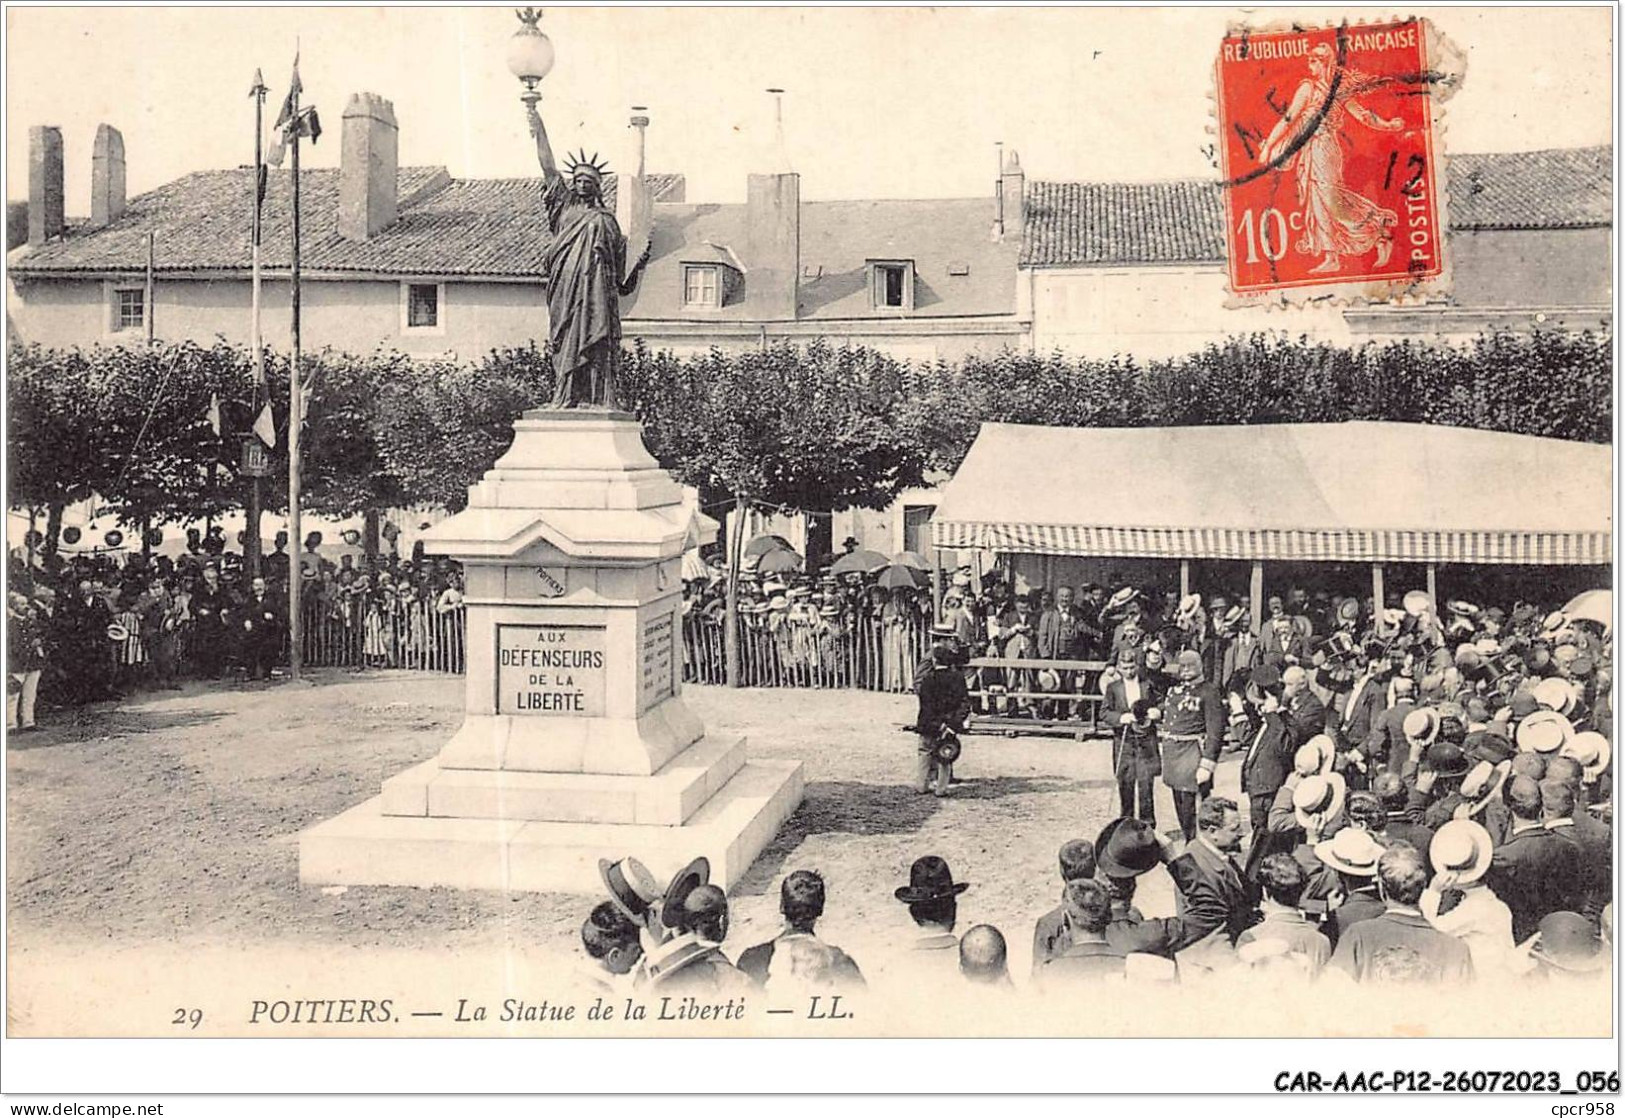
(544, 150)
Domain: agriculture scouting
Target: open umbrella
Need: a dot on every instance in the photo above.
(895, 576)
(761, 545)
(862, 562)
(911, 559)
(779, 562)
(1593, 605)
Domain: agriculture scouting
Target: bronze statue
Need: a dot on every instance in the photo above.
(585, 261)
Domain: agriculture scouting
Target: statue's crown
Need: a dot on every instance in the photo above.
(574, 164)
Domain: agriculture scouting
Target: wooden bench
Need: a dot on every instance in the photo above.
(1078, 729)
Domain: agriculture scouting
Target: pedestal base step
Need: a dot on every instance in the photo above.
(363, 846)
(668, 798)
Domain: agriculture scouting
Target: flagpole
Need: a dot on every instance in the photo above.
(251, 543)
(295, 536)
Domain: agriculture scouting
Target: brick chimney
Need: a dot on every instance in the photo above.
(107, 176)
(45, 215)
(368, 161)
(773, 233)
(1012, 194)
(634, 203)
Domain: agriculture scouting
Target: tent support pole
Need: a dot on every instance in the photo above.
(1256, 595)
(1184, 577)
(1377, 603)
(1433, 586)
(936, 584)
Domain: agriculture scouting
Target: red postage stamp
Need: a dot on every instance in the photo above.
(1327, 151)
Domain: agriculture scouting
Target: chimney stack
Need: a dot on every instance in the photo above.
(107, 176)
(368, 162)
(634, 203)
(1012, 194)
(45, 213)
(773, 232)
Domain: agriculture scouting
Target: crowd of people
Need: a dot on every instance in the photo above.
(96, 626)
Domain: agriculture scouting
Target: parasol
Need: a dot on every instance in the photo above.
(895, 576)
(912, 559)
(761, 545)
(778, 562)
(861, 561)
(1593, 605)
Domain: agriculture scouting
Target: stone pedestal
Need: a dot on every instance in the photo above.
(576, 744)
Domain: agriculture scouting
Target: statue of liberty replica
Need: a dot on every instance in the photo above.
(585, 263)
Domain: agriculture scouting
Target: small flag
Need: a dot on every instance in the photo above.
(214, 414)
(310, 124)
(294, 90)
(265, 426)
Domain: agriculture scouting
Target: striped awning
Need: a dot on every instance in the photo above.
(1334, 492)
(1333, 545)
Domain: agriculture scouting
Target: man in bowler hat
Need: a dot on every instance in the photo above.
(932, 896)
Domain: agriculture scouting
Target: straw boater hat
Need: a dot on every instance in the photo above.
(1463, 848)
(1545, 731)
(1351, 851)
(1315, 756)
(1417, 602)
(1592, 751)
(1190, 605)
(1121, 598)
(1461, 608)
(1318, 799)
(1481, 784)
(1555, 694)
(1421, 725)
(630, 885)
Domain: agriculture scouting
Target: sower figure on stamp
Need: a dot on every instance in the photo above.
(585, 264)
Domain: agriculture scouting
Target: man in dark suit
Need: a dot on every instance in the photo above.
(1591, 837)
(1534, 872)
(1367, 699)
(1090, 956)
(1060, 636)
(1213, 892)
(1398, 826)
(1129, 848)
(1049, 934)
(797, 955)
(1385, 746)
(1305, 713)
(944, 704)
(211, 609)
(262, 619)
(1136, 762)
(1268, 747)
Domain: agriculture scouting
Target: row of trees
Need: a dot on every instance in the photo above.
(818, 427)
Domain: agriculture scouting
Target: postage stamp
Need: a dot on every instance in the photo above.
(1330, 160)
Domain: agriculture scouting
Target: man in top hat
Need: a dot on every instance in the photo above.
(1193, 722)
(1401, 878)
(1130, 710)
(1534, 871)
(1090, 956)
(1267, 754)
(1077, 859)
(1130, 848)
(944, 701)
(796, 957)
(932, 896)
(1461, 854)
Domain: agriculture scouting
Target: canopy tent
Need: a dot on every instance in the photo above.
(1336, 492)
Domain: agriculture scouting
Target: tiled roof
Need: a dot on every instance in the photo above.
(201, 223)
(959, 269)
(1182, 221)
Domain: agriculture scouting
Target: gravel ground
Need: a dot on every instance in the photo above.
(153, 863)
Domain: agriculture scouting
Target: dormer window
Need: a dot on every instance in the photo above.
(702, 286)
(891, 285)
